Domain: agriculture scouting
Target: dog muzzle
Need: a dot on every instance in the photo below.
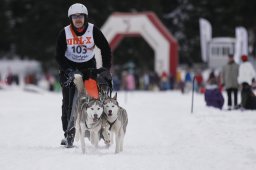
(95, 118)
(110, 113)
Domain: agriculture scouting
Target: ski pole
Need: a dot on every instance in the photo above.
(193, 86)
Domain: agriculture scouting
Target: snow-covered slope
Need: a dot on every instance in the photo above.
(161, 134)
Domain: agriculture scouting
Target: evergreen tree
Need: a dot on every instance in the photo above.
(32, 26)
(5, 28)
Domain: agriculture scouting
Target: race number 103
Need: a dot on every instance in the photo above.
(79, 49)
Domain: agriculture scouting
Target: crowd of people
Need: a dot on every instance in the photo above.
(45, 80)
(233, 78)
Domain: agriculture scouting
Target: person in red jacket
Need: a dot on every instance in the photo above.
(75, 52)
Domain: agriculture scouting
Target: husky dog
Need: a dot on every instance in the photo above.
(89, 119)
(88, 115)
(117, 120)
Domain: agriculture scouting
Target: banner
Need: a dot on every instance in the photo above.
(205, 37)
(241, 43)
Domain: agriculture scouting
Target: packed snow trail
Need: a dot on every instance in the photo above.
(161, 134)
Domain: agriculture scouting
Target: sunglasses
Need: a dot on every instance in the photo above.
(80, 16)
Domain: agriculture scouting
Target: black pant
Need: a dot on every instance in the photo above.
(67, 101)
(229, 92)
(68, 93)
(248, 99)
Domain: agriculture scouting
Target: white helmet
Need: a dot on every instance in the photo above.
(77, 9)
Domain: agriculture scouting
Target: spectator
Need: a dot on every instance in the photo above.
(180, 82)
(188, 82)
(199, 80)
(164, 82)
(51, 80)
(9, 78)
(129, 81)
(146, 80)
(245, 78)
(116, 82)
(172, 81)
(213, 96)
(154, 81)
(229, 80)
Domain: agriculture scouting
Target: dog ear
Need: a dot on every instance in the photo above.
(101, 102)
(115, 97)
(101, 98)
(89, 98)
(84, 105)
(83, 99)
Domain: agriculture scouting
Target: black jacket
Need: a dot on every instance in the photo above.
(99, 40)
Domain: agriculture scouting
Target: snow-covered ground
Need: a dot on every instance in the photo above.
(161, 134)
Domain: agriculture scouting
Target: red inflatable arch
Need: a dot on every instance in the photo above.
(152, 30)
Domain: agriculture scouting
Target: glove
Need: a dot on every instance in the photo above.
(104, 77)
(105, 74)
(70, 77)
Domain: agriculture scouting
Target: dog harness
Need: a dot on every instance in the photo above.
(111, 124)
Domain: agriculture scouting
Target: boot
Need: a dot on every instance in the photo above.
(63, 141)
(70, 138)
